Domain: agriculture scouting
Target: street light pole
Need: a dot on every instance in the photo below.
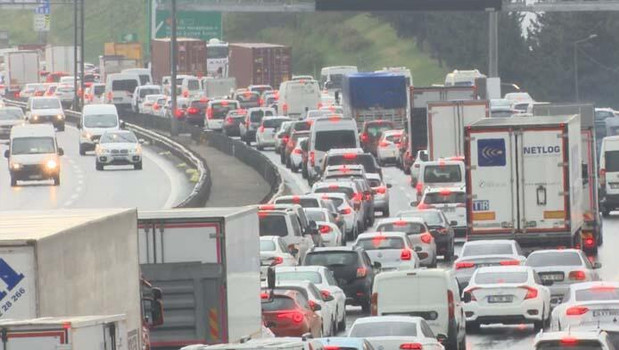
(576, 88)
(173, 122)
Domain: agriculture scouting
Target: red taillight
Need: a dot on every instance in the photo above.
(297, 151)
(445, 192)
(509, 262)
(531, 293)
(358, 196)
(178, 113)
(381, 190)
(464, 265)
(285, 139)
(333, 187)
(569, 341)
(156, 106)
(349, 156)
(334, 118)
(261, 101)
(424, 206)
(384, 144)
(296, 199)
(362, 272)
(278, 260)
(224, 103)
(209, 113)
(229, 121)
(331, 347)
(419, 187)
(185, 93)
(400, 223)
(266, 207)
(312, 158)
(346, 211)
(406, 254)
(426, 238)
(295, 316)
(451, 305)
(261, 129)
(367, 197)
(364, 137)
(577, 275)
(264, 295)
(285, 108)
(325, 230)
(576, 311)
(193, 110)
(602, 177)
(411, 346)
(374, 304)
(325, 294)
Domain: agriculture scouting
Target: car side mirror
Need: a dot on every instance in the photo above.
(547, 283)
(597, 265)
(442, 338)
(123, 124)
(315, 307)
(377, 265)
(60, 151)
(466, 297)
(7, 153)
(389, 185)
(453, 223)
(414, 204)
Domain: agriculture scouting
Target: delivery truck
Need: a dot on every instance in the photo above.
(446, 122)
(20, 68)
(71, 262)
(218, 87)
(524, 180)
(418, 120)
(207, 263)
(190, 57)
(260, 64)
(114, 64)
(60, 59)
(70, 333)
(131, 51)
(375, 96)
(592, 234)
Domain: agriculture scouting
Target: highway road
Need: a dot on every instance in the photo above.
(160, 184)
(518, 337)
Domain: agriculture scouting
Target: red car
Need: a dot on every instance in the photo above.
(290, 314)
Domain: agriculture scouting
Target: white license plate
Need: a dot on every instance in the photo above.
(118, 98)
(614, 186)
(449, 210)
(35, 177)
(605, 313)
(554, 277)
(500, 299)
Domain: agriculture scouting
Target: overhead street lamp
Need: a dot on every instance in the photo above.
(576, 90)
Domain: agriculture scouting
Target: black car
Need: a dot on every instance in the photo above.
(371, 132)
(440, 229)
(196, 112)
(284, 136)
(352, 269)
(233, 119)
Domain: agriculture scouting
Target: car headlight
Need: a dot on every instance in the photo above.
(51, 164)
(15, 166)
(35, 117)
(87, 135)
(138, 150)
(60, 117)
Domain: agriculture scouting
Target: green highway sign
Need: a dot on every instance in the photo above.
(194, 24)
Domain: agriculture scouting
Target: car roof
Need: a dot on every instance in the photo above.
(441, 189)
(415, 211)
(343, 341)
(407, 219)
(504, 269)
(382, 234)
(558, 335)
(341, 151)
(323, 184)
(33, 130)
(594, 284)
(396, 274)
(442, 162)
(391, 318)
(100, 108)
(560, 251)
(334, 249)
(489, 241)
(300, 268)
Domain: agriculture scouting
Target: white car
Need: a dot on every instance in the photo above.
(119, 147)
(216, 112)
(45, 110)
(395, 333)
(418, 233)
(273, 252)
(346, 210)
(140, 93)
(593, 340)
(562, 267)
(476, 254)
(146, 107)
(451, 201)
(296, 156)
(393, 250)
(330, 233)
(265, 135)
(159, 107)
(381, 193)
(422, 156)
(587, 304)
(66, 93)
(388, 146)
(323, 278)
(508, 295)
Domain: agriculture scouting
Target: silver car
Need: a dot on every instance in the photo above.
(381, 193)
(417, 232)
(476, 254)
(119, 147)
(9, 117)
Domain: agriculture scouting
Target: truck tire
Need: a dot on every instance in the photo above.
(98, 166)
(57, 180)
(13, 182)
(82, 150)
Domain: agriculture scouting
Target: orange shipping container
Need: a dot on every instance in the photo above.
(129, 50)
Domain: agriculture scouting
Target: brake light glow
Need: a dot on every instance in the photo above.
(381, 190)
(531, 293)
(576, 311)
(364, 137)
(331, 347)
(285, 139)
(312, 158)
(349, 156)
(569, 341)
(358, 196)
(178, 113)
(334, 118)
(325, 294)
(261, 129)
(325, 230)
(406, 255)
(425, 206)
(297, 151)
(426, 238)
(296, 199)
(224, 103)
(464, 265)
(285, 108)
(400, 223)
(362, 272)
(209, 113)
(295, 316)
(411, 346)
(264, 295)
(509, 262)
(333, 187)
(192, 110)
(602, 177)
(278, 260)
(229, 121)
(346, 211)
(577, 275)
(384, 144)
(445, 192)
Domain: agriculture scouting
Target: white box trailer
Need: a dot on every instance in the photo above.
(20, 68)
(66, 333)
(524, 180)
(70, 262)
(61, 58)
(446, 122)
(207, 263)
(592, 235)
(218, 87)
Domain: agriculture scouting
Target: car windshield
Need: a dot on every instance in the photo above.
(128, 85)
(149, 91)
(331, 139)
(332, 259)
(578, 345)
(278, 302)
(501, 277)
(487, 249)
(402, 226)
(612, 161)
(442, 173)
(597, 293)
(11, 114)
(366, 160)
(221, 109)
(273, 225)
(216, 52)
(316, 215)
(380, 243)
(384, 329)
(46, 103)
(431, 218)
(304, 202)
(376, 129)
(100, 121)
(267, 246)
(118, 137)
(553, 259)
(444, 198)
(33, 145)
(310, 276)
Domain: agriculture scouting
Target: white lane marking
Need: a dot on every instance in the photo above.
(163, 165)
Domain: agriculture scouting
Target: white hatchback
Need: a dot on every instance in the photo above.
(388, 146)
(393, 250)
(588, 304)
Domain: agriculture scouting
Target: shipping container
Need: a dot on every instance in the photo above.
(129, 50)
(260, 64)
(191, 57)
(20, 68)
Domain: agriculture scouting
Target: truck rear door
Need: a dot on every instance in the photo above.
(491, 182)
(47, 339)
(542, 180)
(443, 123)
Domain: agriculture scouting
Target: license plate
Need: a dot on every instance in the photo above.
(449, 210)
(605, 313)
(484, 265)
(553, 277)
(118, 157)
(614, 185)
(500, 299)
(35, 177)
(118, 98)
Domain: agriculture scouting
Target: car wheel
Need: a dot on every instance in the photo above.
(137, 166)
(462, 345)
(365, 308)
(605, 212)
(342, 324)
(13, 181)
(247, 142)
(386, 212)
(259, 147)
(98, 166)
(82, 150)
(57, 180)
(472, 327)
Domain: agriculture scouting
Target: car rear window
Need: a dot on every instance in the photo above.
(442, 173)
(612, 161)
(221, 109)
(444, 198)
(331, 139)
(248, 97)
(316, 215)
(99, 89)
(256, 116)
(301, 126)
(376, 129)
(311, 276)
(267, 246)
(278, 302)
(128, 85)
(501, 277)
(394, 138)
(273, 225)
(337, 189)
(579, 345)
(380, 242)
(272, 123)
(366, 160)
(598, 293)
(332, 259)
(374, 183)
(406, 227)
(431, 218)
(384, 329)
(554, 259)
(304, 202)
(488, 249)
(144, 92)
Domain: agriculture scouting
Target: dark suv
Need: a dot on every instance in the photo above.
(371, 132)
(440, 229)
(352, 269)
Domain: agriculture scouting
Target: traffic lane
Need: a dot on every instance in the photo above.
(159, 185)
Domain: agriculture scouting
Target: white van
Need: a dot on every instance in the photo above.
(296, 97)
(609, 174)
(331, 77)
(329, 133)
(140, 92)
(142, 73)
(119, 88)
(190, 86)
(463, 77)
(96, 119)
(34, 154)
(440, 173)
(432, 294)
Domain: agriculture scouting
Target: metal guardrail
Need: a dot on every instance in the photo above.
(201, 190)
